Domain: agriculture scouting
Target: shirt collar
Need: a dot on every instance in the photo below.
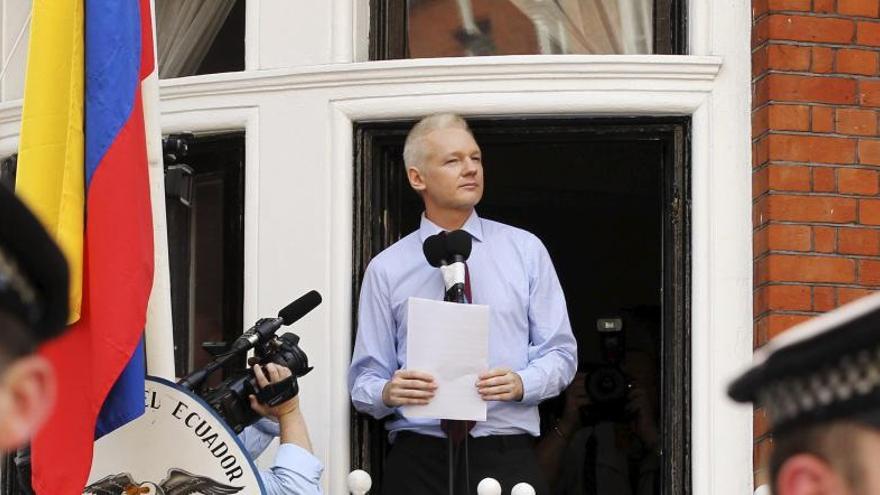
(473, 226)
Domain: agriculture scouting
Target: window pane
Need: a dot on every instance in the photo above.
(456, 28)
(199, 37)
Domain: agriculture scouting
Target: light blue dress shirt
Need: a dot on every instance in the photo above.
(295, 470)
(529, 331)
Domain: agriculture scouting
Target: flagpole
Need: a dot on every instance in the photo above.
(159, 335)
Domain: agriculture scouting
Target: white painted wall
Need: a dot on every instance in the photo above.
(722, 250)
(297, 103)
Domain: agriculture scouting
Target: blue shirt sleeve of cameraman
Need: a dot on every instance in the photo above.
(295, 471)
(257, 437)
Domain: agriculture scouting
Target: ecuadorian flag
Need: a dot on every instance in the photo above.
(83, 169)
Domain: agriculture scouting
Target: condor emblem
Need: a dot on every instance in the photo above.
(178, 482)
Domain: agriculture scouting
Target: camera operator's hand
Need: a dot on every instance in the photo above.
(290, 419)
(639, 404)
(500, 384)
(273, 373)
(576, 398)
(409, 387)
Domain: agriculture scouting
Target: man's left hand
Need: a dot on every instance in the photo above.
(500, 384)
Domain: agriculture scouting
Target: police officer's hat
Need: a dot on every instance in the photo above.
(33, 271)
(825, 369)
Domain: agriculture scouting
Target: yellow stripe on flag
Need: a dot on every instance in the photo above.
(51, 173)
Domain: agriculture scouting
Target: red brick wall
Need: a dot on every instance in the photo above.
(816, 152)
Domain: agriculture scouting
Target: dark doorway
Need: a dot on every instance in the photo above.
(610, 200)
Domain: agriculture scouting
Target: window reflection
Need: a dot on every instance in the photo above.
(602, 436)
(456, 28)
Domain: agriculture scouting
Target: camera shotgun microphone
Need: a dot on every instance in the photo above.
(266, 327)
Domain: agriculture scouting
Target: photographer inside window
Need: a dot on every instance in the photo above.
(604, 441)
(295, 470)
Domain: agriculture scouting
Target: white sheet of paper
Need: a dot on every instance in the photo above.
(450, 341)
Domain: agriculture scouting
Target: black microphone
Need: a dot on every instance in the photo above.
(459, 244)
(448, 251)
(434, 248)
(446, 248)
(266, 327)
(301, 307)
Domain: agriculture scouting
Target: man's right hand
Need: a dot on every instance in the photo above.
(409, 388)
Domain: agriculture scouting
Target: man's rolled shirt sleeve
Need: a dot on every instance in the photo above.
(295, 470)
(552, 346)
(257, 437)
(374, 359)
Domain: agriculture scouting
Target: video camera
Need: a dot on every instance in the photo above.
(230, 398)
(606, 384)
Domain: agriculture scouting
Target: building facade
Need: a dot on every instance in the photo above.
(304, 125)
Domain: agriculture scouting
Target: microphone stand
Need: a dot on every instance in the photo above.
(456, 294)
(449, 252)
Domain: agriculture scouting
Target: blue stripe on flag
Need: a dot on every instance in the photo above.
(125, 401)
(113, 60)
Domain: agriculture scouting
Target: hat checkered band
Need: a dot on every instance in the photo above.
(854, 375)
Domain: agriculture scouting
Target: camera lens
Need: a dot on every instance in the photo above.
(606, 384)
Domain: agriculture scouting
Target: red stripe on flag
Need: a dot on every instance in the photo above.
(118, 269)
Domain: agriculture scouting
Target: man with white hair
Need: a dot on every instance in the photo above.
(532, 352)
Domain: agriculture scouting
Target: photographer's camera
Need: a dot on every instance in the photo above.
(606, 383)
